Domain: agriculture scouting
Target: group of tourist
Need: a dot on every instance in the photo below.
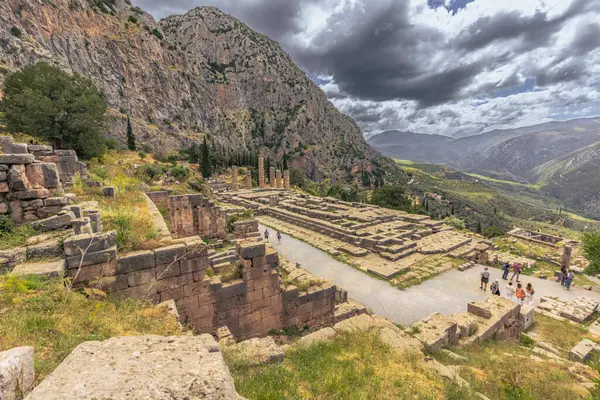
(516, 269)
(565, 277)
(518, 294)
(267, 234)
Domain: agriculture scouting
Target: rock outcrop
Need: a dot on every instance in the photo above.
(188, 75)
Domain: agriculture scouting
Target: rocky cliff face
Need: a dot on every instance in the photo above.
(199, 73)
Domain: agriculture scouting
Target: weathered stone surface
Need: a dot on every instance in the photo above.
(259, 351)
(55, 269)
(145, 367)
(42, 175)
(48, 249)
(400, 340)
(74, 245)
(3, 208)
(17, 178)
(54, 223)
(31, 194)
(527, 312)
(583, 350)
(108, 191)
(436, 331)
(169, 254)
(3, 176)
(135, 261)
(452, 355)
(322, 335)
(467, 324)
(56, 201)
(16, 372)
(252, 250)
(12, 159)
(363, 322)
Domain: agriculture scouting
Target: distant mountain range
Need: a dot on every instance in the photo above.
(562, 157)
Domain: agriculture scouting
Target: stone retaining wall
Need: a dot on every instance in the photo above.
(249, 307)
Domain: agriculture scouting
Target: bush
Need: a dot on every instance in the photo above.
(157, 33)
(16, 32)
(133, 19)
(391, 197)
(65, 110)
(492, 232)
(142, 155)
(113, 144)
(179, 172)
(149, 172)
(591, 250)
(455, 222)
(6, 224)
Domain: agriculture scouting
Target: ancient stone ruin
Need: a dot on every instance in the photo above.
(33, 179)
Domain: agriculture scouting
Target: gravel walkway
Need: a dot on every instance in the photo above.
(447, 293)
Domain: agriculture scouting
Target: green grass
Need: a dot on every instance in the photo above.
(504, 371)
(352, 366)
(17, 237)
(37, 312)
(561, 334)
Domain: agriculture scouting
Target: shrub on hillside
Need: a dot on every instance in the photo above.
(492, 232)
(179, 172)
(591, 250)
(47, 103)
(391, 197)
(455, 222)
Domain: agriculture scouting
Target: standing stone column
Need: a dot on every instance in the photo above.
(234, 178)
(566, 256)
(261, 171)
(272, 177)
(248, 179)
(278, 179)
(286, 180)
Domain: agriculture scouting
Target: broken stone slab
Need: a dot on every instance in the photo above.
(322, 335)
(453, 356)
(142, 367)
(43, 175)
(259, 351)
(48, 249)
(108, 191)
(54, 269)
(15, 159)
(54, 223)
(466, 322)
(527, 312)
(17, 374)
(362, 322)
(583, 350)
(74, 245)
(252, 250)
(445, 372)
(31, 194)
(436, 332)
(82, 226)
(400, 341)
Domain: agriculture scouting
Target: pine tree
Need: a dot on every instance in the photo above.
(206, 160)
(130, 136)
(452, 212)
(268, 169)
(285, 162)
(426, 205)
(479, 228)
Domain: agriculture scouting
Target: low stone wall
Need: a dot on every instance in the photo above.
(245, 229)
(249, 307)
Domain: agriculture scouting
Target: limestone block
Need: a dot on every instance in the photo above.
(31, 194)
(99, 257)
(583, 350)
(54, 223)
(141, 277)
(42, 175)
(135, 261)
(527, 312)
(3, 208)
(436, 331)
(467, 324)
(32, 148)
(259, 351)
(17, 178)
(191, 367)
(4, 187)
(16, 372)
(400, 341)
(322, 335)
(252, 250)
(169, 254)
(3, 176)
(56, 201)
(47, 249)
(82, 226)
(108, 191)
(15, 159)
(93, 243)
(479, 309)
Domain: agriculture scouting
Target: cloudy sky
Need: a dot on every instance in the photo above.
(453, 67)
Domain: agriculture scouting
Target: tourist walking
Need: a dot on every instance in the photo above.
(520, 293)
(510, 291)
(562, 276)
(495, 287)
(506, 269)
(516, 271)
(278, 237)
(485, 278)
(267, 235)
(569, 280)
(530, 292)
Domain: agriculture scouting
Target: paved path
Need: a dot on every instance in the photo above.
(447, 293)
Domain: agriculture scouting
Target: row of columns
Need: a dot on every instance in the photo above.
(278, 179)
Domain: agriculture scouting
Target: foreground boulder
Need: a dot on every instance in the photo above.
(141, 368)
(17, 376)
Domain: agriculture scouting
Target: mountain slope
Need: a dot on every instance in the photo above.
(200, 73)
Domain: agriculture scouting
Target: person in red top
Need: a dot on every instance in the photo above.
(516, 271)
(520, 293)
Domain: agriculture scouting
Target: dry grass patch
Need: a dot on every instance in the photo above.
(352, 366)
(37, 312)
(562, 334)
